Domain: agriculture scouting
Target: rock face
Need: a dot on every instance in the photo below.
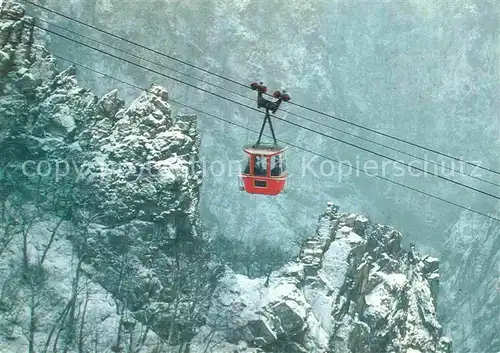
(353, 288)
(126, 179)
(101, 196)
(471, 290)
(139, 161)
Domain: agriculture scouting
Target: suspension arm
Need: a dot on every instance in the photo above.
(268, 119)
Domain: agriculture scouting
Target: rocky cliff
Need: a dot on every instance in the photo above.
(471, 289)
(353, 288)
(118, 186)
(102, 248)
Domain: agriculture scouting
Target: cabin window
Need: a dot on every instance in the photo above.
(260, 165)
(277, 166)
(246, 168)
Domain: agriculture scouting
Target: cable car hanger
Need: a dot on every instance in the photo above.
(265, 172)
(269, 106)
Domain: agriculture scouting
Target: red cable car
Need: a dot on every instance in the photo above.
(265, 172)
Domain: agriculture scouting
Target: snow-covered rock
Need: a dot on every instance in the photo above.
(127, 179)
(346, 292)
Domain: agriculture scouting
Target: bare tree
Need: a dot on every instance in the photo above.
(51, 239)
(57, 324)
(10, 302)
(82, 335)
(35, 279)
(9, 224)
(10, 204)
(220, 323)
(71, 323)
(121, 292)
(67, 319)
(33, 324)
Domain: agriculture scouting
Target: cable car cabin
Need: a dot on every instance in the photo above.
(265, 171)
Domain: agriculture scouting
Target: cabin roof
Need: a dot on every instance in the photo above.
(264, 150)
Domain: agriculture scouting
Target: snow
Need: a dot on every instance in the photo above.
(333, 273)
(323, 230)
(335, 263)
(395, 280)
(172, 169)
(346, 230)
(317, 335)
(378, 300)
(334, 266)
(431, 259)
(411, 350)
(354, 239)
(321, 305)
